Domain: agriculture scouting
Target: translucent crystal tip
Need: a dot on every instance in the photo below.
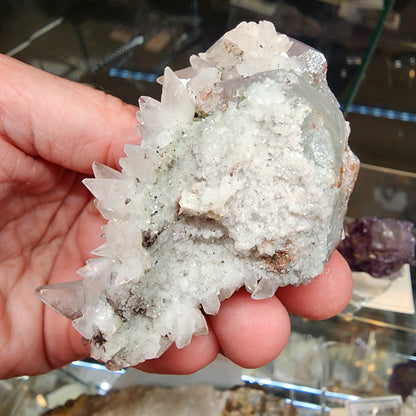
(67, 298)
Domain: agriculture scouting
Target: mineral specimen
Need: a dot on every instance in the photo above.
(378, 246)
(197, 399)
(403, 378)
(242, 179)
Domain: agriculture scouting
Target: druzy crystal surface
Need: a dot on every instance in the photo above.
(241, 180)
(378, 246)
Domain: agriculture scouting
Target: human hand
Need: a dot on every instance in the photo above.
(51, 130)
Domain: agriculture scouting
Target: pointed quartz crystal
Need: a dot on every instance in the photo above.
(105, 172)
(108, 189)
(177, 106)
(149, 117)
(67, 298)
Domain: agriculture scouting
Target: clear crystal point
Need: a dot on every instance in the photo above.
(105, 172)
(66, 298)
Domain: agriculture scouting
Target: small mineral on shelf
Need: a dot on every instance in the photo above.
(378, 246)
(403, 378)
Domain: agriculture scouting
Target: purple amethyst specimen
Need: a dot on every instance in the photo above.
(403, 378)
(378, 246)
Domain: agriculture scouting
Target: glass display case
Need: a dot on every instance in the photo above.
(371, 51)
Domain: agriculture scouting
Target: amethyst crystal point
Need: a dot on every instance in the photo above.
(378, 246)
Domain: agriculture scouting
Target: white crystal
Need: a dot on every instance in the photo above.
(105, 172)
(66, 298)
(177, 106)
(250, 192)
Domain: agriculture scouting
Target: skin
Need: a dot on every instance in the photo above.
(51, 130)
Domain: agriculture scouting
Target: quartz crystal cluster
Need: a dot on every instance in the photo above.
(241, 180)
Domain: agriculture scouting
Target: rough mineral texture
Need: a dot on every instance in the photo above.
(192, 400)
(241, 180)
(378, 246)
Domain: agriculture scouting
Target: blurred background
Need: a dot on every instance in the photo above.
(122, 46)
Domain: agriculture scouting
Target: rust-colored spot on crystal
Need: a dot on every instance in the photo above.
(279, 261)
(206, 94)
(341, 171)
